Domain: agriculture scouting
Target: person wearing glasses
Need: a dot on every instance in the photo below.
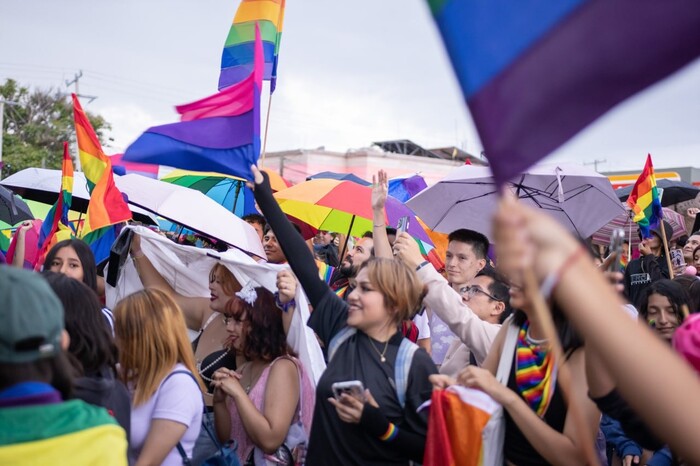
(474, 314)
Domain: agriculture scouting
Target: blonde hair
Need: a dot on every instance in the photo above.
(152, 337)
(228, 281)
(399, 284)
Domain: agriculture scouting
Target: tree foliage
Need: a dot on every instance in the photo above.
(35, 128)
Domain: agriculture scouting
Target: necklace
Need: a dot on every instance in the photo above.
(252, 378)
(382, 358)
(209, 366)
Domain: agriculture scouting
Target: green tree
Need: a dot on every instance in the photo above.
(34, 130)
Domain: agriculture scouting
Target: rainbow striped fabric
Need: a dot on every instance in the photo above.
(56, 226)
(535, 372)
(533, 78)
(237, 59)
(644, 200)
(107, 206)
(219, 133)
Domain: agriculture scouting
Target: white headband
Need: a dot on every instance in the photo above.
(248, 293)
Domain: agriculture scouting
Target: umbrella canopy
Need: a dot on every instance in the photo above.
(631, 230)
(191, 209)
(343, 207)
(339, 177)
(12, 208)
(579, 198)
(43, 185)
(405, 187)
(277, 183)
(674, 192)
(229, 191)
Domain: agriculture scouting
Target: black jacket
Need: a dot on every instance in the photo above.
(640, 273)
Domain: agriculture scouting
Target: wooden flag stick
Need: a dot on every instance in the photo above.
(668, 258)
(267, 125)
(584, 440)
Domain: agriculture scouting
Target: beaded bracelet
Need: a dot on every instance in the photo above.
(284, 306)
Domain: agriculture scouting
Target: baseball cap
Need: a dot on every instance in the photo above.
(31, 316)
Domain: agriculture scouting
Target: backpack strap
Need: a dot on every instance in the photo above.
(339, 338)
(508, 351)
(404, 359)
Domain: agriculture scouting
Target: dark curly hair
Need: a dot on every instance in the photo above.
(265, 338)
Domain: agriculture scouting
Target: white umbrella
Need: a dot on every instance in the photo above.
(578, 197)
(191, 209)
(43, 185)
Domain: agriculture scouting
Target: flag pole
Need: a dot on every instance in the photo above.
(668, 258)
(267, 124)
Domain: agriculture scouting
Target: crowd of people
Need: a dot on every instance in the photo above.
(582, 357)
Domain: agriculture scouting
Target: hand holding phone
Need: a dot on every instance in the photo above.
(354, 388)
(402, 225)
(617, 239)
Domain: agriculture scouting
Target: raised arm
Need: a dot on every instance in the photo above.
(380, 190)
(194, 309)
(20, 245)
(531, 240)
(293, 245)
(477, 334)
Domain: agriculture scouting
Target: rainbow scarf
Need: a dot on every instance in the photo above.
(535, 372)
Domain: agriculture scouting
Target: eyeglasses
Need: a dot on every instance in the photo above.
(229, 319)
(471, 291)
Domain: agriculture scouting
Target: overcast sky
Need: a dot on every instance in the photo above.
(350, 73)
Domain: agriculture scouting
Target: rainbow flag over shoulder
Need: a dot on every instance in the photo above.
(56, 226)
(644, 200)
(107, 208)
(536, 72)
(219, 133)
(237, 59)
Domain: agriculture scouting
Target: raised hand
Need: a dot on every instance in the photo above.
(286, 285)
(380, 190)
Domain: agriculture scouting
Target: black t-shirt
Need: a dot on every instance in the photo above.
(336, 442)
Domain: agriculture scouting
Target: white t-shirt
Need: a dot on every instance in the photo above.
(178, 399)
(423, 325)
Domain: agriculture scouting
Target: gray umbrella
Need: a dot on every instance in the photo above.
(579, 198)
(12, 208)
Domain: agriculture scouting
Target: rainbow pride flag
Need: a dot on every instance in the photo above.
(219, 133)
(645, 202)
(107, 207)
(237, 59)
(56, 226)
(535, 73)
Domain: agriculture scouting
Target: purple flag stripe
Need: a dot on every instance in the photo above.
(600, 55)
(212, 133)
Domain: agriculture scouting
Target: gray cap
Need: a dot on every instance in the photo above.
(31, 317)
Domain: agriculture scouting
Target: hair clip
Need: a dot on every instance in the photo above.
(248, 293)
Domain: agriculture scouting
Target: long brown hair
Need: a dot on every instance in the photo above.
(265, 338)
(152, 337)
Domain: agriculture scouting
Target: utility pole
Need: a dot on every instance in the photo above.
(2, 126)
(76, 81)
(595, 163)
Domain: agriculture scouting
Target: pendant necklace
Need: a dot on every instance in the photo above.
(382, 358)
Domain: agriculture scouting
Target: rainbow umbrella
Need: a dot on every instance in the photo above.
(229, 191)
(344, 207)
(277, 183)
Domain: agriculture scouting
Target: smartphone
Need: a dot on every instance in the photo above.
(354, 388)
(402, 225)
(617, 240)
(677, 259)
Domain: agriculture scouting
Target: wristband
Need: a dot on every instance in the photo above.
(391, 433)
(421, 265)
(284, 306)
(552, 280)
(379, 226)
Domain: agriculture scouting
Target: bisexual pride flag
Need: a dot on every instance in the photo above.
(536, 72)
(220, 133)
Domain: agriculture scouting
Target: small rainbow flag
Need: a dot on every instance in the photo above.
(644, 200)
(107, 206)
(237, 59)
(56, 226)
